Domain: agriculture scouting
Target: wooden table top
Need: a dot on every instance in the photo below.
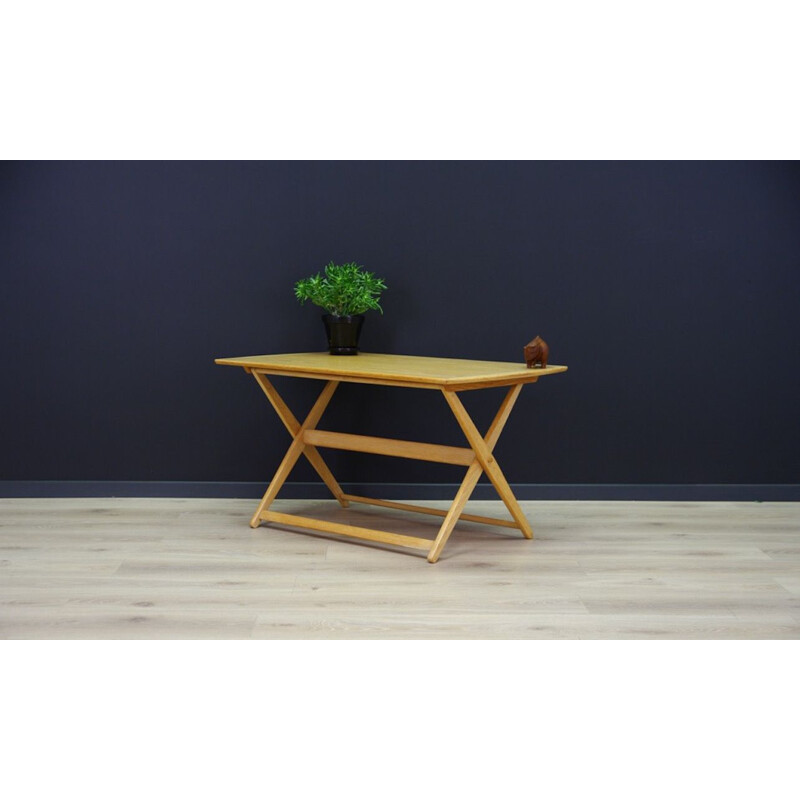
(384, 368)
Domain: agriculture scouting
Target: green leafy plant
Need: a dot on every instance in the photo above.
(344, 290)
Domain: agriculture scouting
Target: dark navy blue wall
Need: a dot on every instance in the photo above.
(671, 290)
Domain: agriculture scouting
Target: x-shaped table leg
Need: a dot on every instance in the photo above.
(297, 447)
(293, 426)
(484, 462)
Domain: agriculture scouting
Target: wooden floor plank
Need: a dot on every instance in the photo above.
(139, 568)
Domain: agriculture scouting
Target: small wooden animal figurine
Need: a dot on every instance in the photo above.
(536, 353)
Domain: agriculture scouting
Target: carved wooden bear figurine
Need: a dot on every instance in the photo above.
(536, 353)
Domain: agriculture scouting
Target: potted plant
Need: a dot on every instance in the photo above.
(345, 291)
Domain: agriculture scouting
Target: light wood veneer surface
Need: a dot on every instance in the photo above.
(381, 367)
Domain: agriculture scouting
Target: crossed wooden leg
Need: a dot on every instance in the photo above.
(484, 462)
(298, 446)
(478, 456)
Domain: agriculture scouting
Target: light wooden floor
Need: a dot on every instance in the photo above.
(193, 569)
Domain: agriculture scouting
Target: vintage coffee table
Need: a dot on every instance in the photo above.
(447, 375)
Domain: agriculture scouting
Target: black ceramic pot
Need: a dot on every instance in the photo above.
(343, 333)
